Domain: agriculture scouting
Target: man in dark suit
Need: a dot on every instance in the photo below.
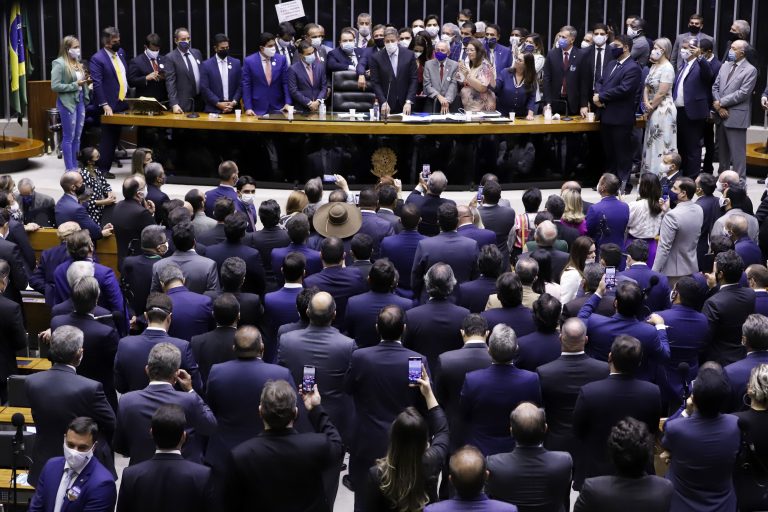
(603, 330)
(561, 74)
(363, 309)
(12, 327)
(133, 436)
(280, 305)
(182, 73)
(656, 295)
(216, 346)
(132, 351)
(388, 205)
(108, 69)
(561, 380)
(755, 340)
(76, 479)
(542, 345)
(36, 207)
(373, 225)
(738, 228)
(630, 447)
(232, 277)
(270, 237)
(474, 294)
(593, 273)
(615, 96)
(193, 312)
(468, 229)
(237, 413)
(146, 71)
(602, 403)
(307, 79)
(136, 276)
(68, 207)
(346, 56)
(378, 382)
(200, 273)
(235, 225)
(393, 73)
(448, 247)
(707, 50)
(265, 79)
(496, 217)
(298, 233)
(706, 184)
(727, 309)
(131, 216)
(434, 327)
(452, 367)
(9, 251)
(509, 291)
(229, 174)
(265, 468)
(595, 60)
(99, 340)
(222, 208)
(426, 196)
(607, 220)
(341, 282)
(302, 303)
(155, 176)
(167, 479)
(757, 278)
(286, 34)
(327, 350)
(489, 395)
(361, 247)
(530, 476)
(400, 249)
(220, 79)
(59, 395)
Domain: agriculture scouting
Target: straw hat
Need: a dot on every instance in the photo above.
(341, 220)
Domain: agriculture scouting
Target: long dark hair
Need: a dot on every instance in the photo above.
(480, 53)
(424, 42)
(401, 470)
(544, 276)
(529, 72)
(579, 253)
(650, 189)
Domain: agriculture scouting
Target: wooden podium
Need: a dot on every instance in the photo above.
(40, 99)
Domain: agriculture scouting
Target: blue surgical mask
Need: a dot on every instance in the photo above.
(562, 43)
(348, 47)
(309, 59)
(184, 45)
(441, 56)
(528, 48)
(465, 40)
(731, 56)
(491, 41)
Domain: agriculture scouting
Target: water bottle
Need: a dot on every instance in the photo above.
(376, 111)
(321, 110)
(547, 113)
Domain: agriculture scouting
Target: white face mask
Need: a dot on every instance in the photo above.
(432, 30)
(514, 41)
(153, 55)
(77, 460)
(656, 54)
(74, 53)
(391, 47)
(665, 168)
(599, 40)
(247, 198)
(365, 31)
(685, 54)
(317, 41)
(417, 54)
(142, 193)
(586, 44)
(417, 30)
(270, 51)
(631, 32)
(446, 38)
(719, 186)
(721, 201)
(348, 46)
(405, 43)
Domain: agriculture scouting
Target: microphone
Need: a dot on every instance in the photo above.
(386, 99)
(17, 420)
(193, 114)
(653, 282)
(683, 369)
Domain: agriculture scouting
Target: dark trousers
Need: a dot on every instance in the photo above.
(689, 135)
(110, 136)
(618, 150)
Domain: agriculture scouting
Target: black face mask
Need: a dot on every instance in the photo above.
(693, 29)
(80, 190)
(733, 36)
(115, 47)
(223, 54)
(379, 42)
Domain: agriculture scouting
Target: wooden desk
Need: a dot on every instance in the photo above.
(24, 493)
(6, 413)
(33, 364)
(276, 123)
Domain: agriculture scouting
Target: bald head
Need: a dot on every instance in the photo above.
(248, 342)
(546, 234)
(465, 214)
(573, 335)
(67, 228)
(321, 310)
(728, 178)
(468, 472)
(738, 226)
(528, 424)
(70, 181)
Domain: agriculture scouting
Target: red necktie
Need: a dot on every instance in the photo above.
(441, 72)
(565, 71)
(154, 65)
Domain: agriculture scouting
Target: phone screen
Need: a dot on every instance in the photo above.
(425, 171)
(479, 193)
(414, 369)
(308, 381)
(329, 178)
(610, 277)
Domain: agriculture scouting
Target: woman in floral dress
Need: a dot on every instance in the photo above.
(659, 108)
(476, 95)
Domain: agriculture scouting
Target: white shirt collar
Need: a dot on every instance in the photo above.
(175, 452)
(382, 209)
(159, 383)
(572, 353)
(220, 60)
(293, 285)
(155, 329)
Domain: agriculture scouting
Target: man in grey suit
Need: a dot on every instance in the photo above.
(439, 83)
(322, 346)
(732, 100)
(182, 73)
(695, 27)
(680, 229)
(200, 273)
(36, 207)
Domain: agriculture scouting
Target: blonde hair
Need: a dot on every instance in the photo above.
(296, 202)
(758, 384)
(66, 44)
(574, 207)
(665, 45)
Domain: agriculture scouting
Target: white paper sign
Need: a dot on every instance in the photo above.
(288, 11)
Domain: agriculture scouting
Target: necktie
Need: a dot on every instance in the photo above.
(309, 72)
(268, 71)
(224, 72)
(463, 53)
(733, 68)
(61, 495)
(565, 70)
(617, 66)
(599, 65)
(442, 68)
(393, 59)
(120, 78)
(154, 65)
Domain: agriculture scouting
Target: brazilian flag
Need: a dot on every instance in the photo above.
(17, 63)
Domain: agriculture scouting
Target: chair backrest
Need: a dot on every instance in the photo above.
(17, 395)
(24, 461)
(347, 94)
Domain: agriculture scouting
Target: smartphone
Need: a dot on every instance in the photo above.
(414, 369)
(479, 193)
(329, 178)
(425, 171)
(308, 380)
(610, 278)
(357, 198)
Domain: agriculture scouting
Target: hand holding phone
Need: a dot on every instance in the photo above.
(308, 379)
(610, 278)
(425, 171)
(329, 178)
(414, 370)
(479, 194)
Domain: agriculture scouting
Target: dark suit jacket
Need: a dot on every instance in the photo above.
(363, 311)
(99, 349)
(106, 86)
(338, 60)
(132, 354)
(499, 219)
(330, 352)
(18, 281)
(400, 249)
(761, 302)
(607, 221)
(561, 380)
(658, 297)
(392, 218)
(605, 307)
(559, 261)
(18, 236)
(133, 437)
(488, 397)
(390, 87)
(67, 208)
(738, 374)
(192, 313)
(211, 87)
(452, 367)
(138, 69)
(259, 96)
(697, 89)
(703, 455)
(213, 236)
(749, 251)
(237, 411)
(726, 311)
(137, 275)
(251, 309)
(41, 279)
(167, 481)
(39, 211)
(254, 273)
(180, 80)
(554, 73)
(279, 309)
(157, 196)
(58, 396)
(588, 84)
(222, 191)
(302, 91)
(474, 294)
(481, 236)
(377, 228)
(428, 205)
(534, 479)
(618, 92)
(96, 484)
(520, 318)
(434, 328)
(599, 407)
(265, 241)
(620, 494)
(342, 283)
(129, 219)
(288, 457)
(537, 349)
(213, 347)
(448, 247)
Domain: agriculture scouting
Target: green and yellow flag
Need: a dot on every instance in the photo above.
(17, 63)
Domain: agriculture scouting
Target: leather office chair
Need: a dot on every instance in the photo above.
(346, 94)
